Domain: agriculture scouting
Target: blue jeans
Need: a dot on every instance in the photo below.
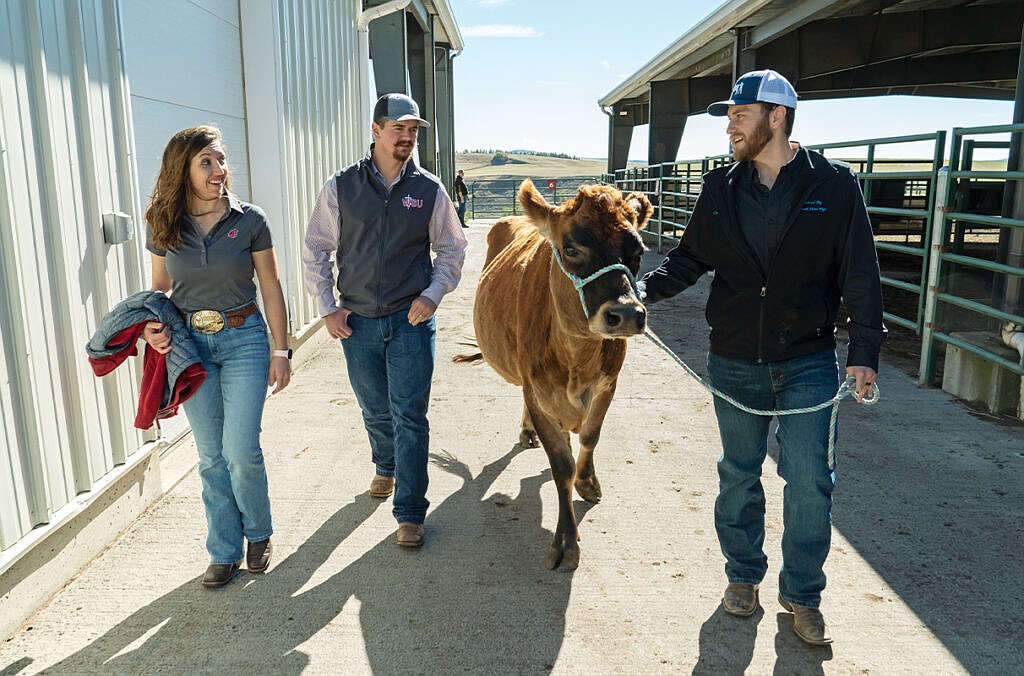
(390, 365)
(462, 213)
(225, 414)
(803, 464)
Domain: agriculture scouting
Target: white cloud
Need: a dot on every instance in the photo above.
(491, 3)
(500, 31)
(605, 64)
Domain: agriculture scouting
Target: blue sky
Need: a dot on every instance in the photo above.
(532, 71)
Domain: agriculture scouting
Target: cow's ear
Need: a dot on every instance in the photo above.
(535, 206)
(641, 206)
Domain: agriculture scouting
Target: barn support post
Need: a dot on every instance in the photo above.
(422, 88)
(620, 135)
(389, 51)
(670, 106)
(445, 118)
(1011, 240)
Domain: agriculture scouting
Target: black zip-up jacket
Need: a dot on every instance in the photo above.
(826, 252)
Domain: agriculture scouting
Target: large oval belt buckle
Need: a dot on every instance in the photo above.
(207, 321)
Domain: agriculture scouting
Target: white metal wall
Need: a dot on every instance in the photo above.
(65, 150)
(285, 81)
(308, 116)
(184, 63)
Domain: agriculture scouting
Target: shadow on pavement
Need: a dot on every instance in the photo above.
(727, 646)
(727, 643)
(451, 605)
(793, 656)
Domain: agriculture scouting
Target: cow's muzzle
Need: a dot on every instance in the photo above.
(620, 319)
(580, 282)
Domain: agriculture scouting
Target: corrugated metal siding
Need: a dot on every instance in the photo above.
(68, 135)
(64, 145)
(313, 122)
(184, 63)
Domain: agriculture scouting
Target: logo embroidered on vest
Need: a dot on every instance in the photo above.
(233, 233)
(410, 202)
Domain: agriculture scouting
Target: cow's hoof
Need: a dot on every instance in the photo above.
(571, 559)
(589, 489)
(553, 558)
(562, 555)
(529, 439)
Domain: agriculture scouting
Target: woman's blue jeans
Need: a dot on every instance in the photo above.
(390, 365)
(803, 464)
(225, 414)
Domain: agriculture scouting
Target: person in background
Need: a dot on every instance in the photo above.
(206, 247)
(787, 235)
(379, 219)
(461, 196)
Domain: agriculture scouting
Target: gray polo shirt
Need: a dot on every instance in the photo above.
(216, 272)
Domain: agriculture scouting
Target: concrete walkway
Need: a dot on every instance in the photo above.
(922, 577)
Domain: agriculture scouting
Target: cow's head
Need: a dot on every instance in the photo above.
(597, 230)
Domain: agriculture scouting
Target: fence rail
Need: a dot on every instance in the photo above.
(495, 198)
(933, 257)
(955, 310)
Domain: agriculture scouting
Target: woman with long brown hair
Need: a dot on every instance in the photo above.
(207, 246)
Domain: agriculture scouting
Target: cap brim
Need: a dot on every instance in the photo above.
(721, 108)
(406, 118)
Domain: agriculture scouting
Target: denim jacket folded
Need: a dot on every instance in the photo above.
(167, 379)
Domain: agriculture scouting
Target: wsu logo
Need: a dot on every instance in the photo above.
(410, 202)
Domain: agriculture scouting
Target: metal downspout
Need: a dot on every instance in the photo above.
(363, 31)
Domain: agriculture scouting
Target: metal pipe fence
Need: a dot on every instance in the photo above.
(970, 245)
(934, 240)
(899, 193)
(496, 198)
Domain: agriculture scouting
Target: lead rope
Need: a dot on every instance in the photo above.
(848, 386)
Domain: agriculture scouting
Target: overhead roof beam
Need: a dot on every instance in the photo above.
(788, 21)
(945, 91)
(981, 69)
(834, 45)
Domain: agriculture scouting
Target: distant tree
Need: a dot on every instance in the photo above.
(503, 156)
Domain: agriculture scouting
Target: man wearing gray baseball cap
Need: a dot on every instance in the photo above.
(377, 223)
(786, 232)
(398, 108)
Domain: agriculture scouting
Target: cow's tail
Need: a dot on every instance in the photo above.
(471, 358)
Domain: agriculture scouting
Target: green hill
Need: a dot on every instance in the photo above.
(479, 166)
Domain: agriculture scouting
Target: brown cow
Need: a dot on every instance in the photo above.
(565, 348)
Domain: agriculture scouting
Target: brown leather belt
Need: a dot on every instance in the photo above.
(212, 321)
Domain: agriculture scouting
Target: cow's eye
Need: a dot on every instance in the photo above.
(571, 251)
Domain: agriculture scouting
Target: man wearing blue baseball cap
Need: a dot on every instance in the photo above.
(787, 235)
